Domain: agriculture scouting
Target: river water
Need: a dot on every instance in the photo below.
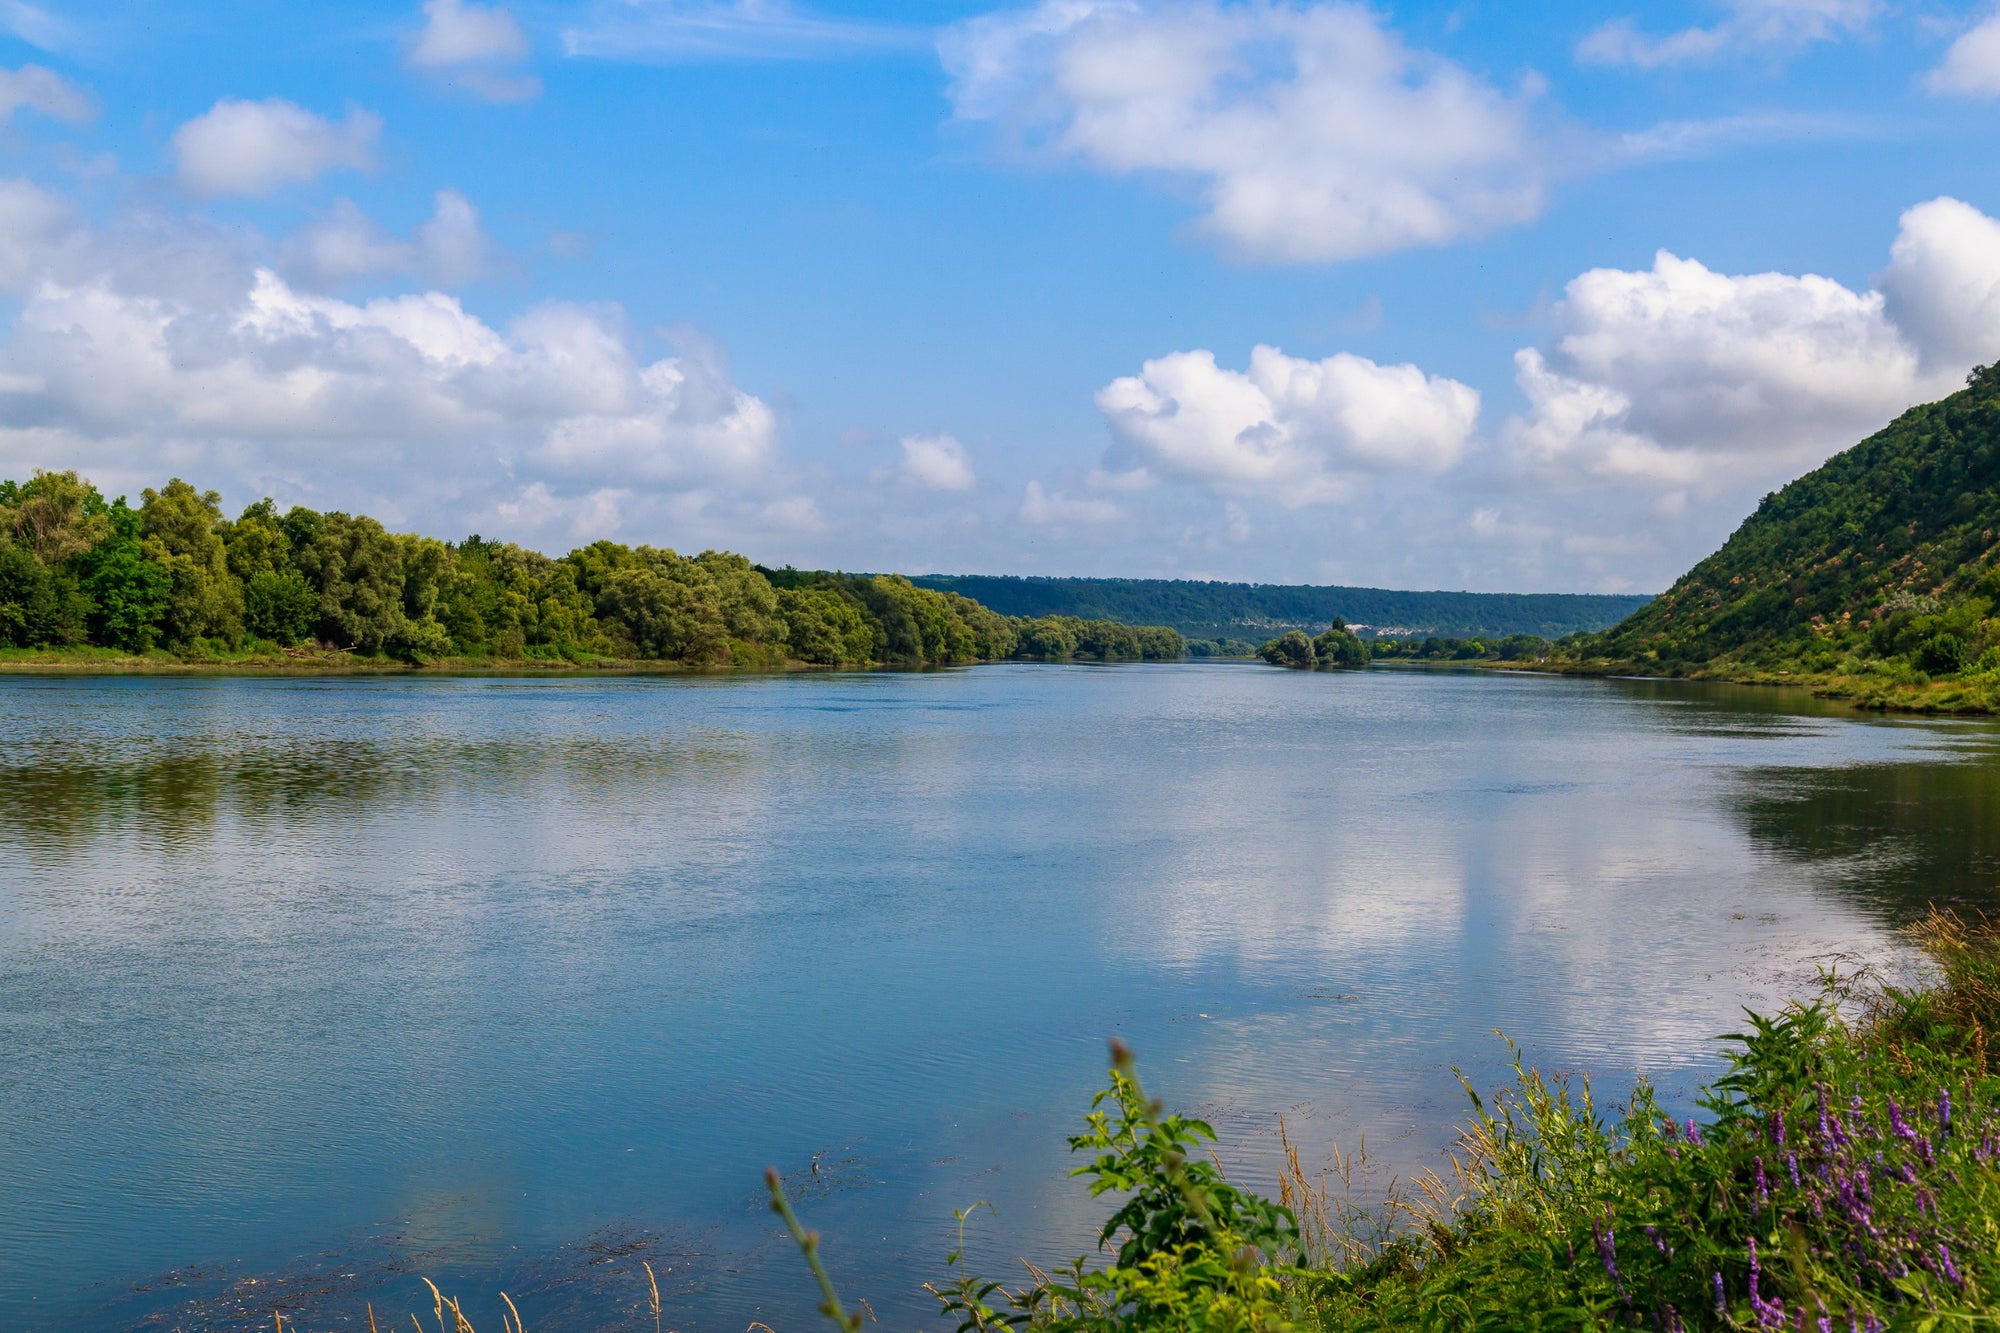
(308, 987)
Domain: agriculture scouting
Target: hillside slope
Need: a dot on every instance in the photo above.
(1203, 610)
(1877, 575)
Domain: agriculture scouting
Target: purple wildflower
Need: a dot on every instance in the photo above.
(1944, 1112)
(1947, 1267)
(1792, 1162)
(1721, 1302)
(1900, 1125)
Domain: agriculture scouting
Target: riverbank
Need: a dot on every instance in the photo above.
(1891, 689)
(1846, 1175)
(87, 661)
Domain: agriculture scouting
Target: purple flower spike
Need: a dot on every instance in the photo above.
(1944, 1112)
(1721, 1302)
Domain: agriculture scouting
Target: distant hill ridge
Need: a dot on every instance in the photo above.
(1205, 610)
(1879, 571)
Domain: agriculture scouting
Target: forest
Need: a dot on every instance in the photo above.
(1251, 611)
(173, 577)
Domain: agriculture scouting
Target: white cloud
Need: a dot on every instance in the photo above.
(136, 351)
(1043, 508)
(253, 148)
(673, 31)
(35, 25)
(34, 226)
(1942, 285)
(1314, 132)
(476, 48)
(1679, 376)
(449, 249)
(36, 89)
(937, 463)
(1971, 67)
(1749, 25)
(1296, 431)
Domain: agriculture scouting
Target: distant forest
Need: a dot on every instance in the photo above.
(1254, 610)
(172, 575)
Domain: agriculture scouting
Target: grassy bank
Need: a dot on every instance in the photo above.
(1845, 1174)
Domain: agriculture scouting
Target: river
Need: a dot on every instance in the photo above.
(311, 986)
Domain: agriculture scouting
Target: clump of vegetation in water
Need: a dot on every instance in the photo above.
(1337, 646)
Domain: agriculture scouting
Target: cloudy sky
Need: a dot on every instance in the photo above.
(1464, 294)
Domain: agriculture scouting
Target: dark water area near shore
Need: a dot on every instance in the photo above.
(310, 986)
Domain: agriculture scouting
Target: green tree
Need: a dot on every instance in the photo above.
(279, 605)
(1291, 649)
(182, 530)
(128, 591)
(355, 567)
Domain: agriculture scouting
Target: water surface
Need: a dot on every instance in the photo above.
(307, 986)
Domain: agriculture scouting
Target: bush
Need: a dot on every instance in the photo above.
(1293, 649)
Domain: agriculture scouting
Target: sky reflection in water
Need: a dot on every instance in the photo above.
(513, 982)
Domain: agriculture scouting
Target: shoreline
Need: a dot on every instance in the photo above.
(1924, 698)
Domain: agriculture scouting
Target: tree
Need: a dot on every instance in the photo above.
(57, 516)
(279, 605)
(356, 568)
(182, 530)
(1292, 649)
(129, 592)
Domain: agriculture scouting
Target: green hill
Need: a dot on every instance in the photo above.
(1875, 576)
(1257, 611)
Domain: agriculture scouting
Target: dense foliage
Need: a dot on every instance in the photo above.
(1251, 611)
(1339, 647)
(1846, 1175)
(174, 574)
(1882, 567)
(1336, 646)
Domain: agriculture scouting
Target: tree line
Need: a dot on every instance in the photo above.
(174, 574)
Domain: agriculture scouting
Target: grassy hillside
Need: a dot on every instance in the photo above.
(1875, 577)
(1254, 611)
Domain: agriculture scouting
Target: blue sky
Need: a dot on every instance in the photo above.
(1286, 292)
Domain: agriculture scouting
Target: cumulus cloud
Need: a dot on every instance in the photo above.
(253, 148)
(449, 249)
(1747, 26)
(1043, 508)
(937, 463)
(190, 357)
(1942, 286)
(674, 31)
(1313, 133)
(33, 88)
(1296, 431)
(1971, 68)
(1678, 376)
(476, 49)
